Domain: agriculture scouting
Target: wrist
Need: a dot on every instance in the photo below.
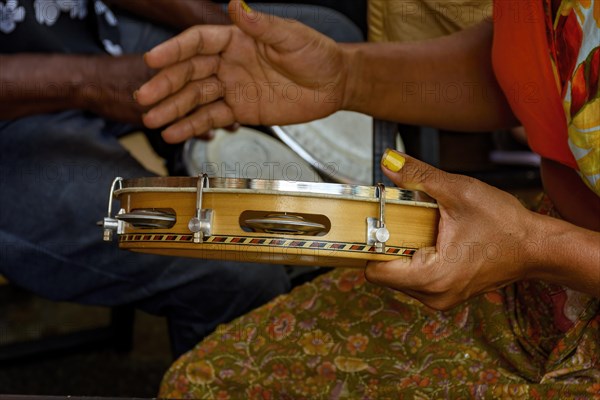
(353, 67)
(566, 255)
(533, 255)
(83, 80)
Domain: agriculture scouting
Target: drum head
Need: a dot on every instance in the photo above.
(339, 146)
(246, 154)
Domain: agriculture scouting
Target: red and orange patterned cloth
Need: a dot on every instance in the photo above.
(574, 42)
(562, 119)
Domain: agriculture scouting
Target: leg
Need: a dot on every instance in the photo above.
(55, 172)
(341, 337)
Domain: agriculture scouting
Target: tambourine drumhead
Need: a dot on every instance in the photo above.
(283, 222)
(248, 154)
(339, 146)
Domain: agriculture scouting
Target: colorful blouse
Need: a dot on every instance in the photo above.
(562, 120)
(576, 32)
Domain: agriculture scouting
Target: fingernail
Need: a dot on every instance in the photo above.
(392, 160)
(135, 94)
(246, 7)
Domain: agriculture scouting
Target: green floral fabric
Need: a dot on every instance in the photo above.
(342, 337)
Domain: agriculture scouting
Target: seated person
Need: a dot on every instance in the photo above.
(59, 131)
(67, 77)
(507, 303)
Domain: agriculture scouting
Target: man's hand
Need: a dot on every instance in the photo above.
(262, 71)
(482, 244)
(109, 87)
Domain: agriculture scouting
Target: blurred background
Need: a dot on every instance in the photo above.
(49, 348)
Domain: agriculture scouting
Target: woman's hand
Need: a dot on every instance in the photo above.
(263, 70)
(482, 243)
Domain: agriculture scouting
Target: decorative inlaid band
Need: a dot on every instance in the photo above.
(269, 242)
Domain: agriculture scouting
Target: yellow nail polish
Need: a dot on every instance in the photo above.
(392, 160)
(246, 7)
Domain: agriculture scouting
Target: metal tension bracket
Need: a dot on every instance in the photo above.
(201, 223)
(377, 233)
(110, 224)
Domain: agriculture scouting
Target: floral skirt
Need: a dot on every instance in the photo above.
(341, 337)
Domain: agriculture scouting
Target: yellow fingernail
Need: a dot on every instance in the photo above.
(246, 7)
(392, 160)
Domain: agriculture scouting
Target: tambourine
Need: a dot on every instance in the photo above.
(269, 221)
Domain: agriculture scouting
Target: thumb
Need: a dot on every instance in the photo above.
(409, 173)
(284, 35)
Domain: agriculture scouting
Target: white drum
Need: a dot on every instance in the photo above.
(339, 146)
(246, 154)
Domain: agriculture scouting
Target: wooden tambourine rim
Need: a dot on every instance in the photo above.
(283, 188)
(309, 250)
(257, 241)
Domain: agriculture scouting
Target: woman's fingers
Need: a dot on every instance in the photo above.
(194, 94)
(198, 40)
(426, 277)
(171, 79)
(213, 115)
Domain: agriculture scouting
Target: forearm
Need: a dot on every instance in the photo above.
(446, 83)
(34, 83)
(564, 254)
(177, 14)
(41, 83)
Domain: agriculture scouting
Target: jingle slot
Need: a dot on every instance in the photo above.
(284, 223)
(150, 218)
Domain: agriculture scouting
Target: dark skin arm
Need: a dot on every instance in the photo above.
(100, 83)
(94, 83)
(446, 82)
